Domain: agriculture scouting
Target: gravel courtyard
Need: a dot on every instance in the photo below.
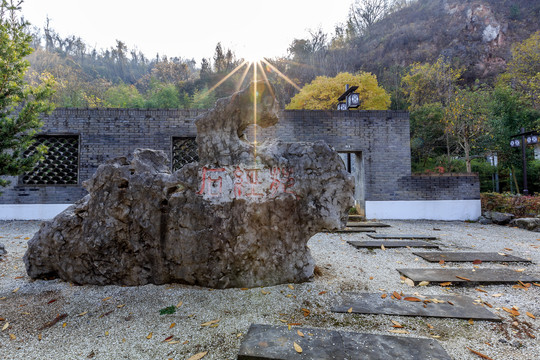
(52, 319)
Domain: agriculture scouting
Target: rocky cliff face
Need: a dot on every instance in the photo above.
(476, 34)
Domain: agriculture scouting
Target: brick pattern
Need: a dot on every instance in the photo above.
(383, 138)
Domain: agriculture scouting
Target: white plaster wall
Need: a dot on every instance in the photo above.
(426, 209)
(31, 211)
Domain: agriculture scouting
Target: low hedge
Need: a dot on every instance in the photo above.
(519, 205)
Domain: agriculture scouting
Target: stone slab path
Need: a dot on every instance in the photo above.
(356, 230)
(368, 224)
(437, 256)
(391, 244)
(277, 342)
(403, 236)
(442, 306)
(464, 276)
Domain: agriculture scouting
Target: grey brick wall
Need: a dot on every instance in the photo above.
(382, 137)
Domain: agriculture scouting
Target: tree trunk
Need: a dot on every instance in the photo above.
(467, 149)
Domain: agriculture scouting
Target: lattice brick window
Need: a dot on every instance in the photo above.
(60, 165)
(185, 151)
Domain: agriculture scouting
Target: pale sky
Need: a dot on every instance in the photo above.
(190, 29)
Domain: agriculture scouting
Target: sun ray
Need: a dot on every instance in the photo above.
(282, 75)
(239, 84)
(254, 112)
(266, 80)
(226, 77)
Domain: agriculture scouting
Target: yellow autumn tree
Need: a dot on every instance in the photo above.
(322, 93)
(523, 71)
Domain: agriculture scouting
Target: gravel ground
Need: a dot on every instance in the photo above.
(115, 322)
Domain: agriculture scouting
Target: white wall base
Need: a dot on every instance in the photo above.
(424, 209)
(31, 211)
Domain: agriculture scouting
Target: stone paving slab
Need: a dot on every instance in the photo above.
(391, 244)
(356, 230)
(403, 236)
(277, 342)
(367, 224)
(482, 276)
(461, 307)
(437, 256)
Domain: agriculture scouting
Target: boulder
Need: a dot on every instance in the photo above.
(498, 217)
(240, 217)
(532, 224)
(484, 221)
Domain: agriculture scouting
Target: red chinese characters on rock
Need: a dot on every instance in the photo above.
(246, 182)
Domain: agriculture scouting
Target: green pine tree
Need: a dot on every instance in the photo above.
(20, 103)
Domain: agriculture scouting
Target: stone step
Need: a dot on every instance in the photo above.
(458, 307)
(391, 244)
(356, 230)
(403, 236)
(367, 224)
(357, 218)
(277, 342)
(448, 256)
(468, 276)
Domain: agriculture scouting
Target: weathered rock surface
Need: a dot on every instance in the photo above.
(498, 217)
(532, 224)
(241, 217)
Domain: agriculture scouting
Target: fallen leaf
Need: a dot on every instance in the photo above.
(451, 303)
(399, 331)
(471, 321)
(12, 336)
(396, 324)
(53, 322)
(173, 342)
(265, 292)
(300, 333)
(477, 262)
(423, 283)
(396, 295)
(530, 315)
(448, 283)
(430, 326)
(383, 296)
(18, 277)
(51, 301)
(496, 295)
(382, 247)
(511, 311)
(479, 354)
(17, 289)
(198, 356)
(106, 333)
(508, 249)
(297, 348)
(350, 310)
(409, 282)
(463, 278)
(168, 338)
(371, 278)
(149, 336)
(179, 304)
(283, 321)
(120, 306)
(172, 325)
(481, 290)
(441, 262)
(6, 325)
(519, 270)
(64, 324)
(290, 287)
(107, 298)
(208, 323)
(410, 298)
(322, 293)
(244, 289)
(40, 336)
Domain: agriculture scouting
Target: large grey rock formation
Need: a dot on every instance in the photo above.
(241, 217)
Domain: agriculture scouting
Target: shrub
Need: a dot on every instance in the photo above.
(520, 206)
